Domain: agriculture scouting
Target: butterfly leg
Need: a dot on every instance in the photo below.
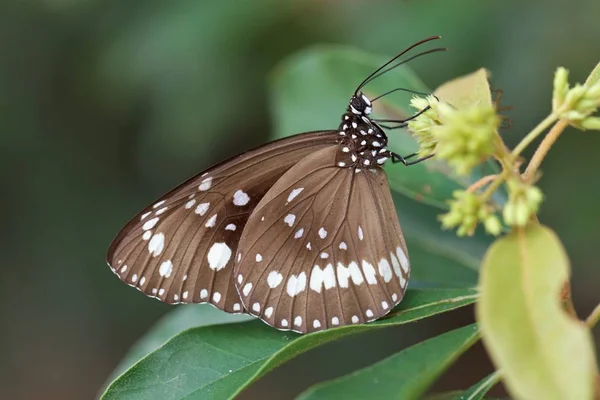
(397, 158)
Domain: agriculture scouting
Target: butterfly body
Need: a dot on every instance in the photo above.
(301, 232)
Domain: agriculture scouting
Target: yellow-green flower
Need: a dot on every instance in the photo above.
(466, 211)
(421, 125)
(523, 202)
(575, 104)
(466, 137)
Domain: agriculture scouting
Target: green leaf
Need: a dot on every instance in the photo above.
(180, 319)
(405, 375)
(478, 391)
(543, 352)
(465, 91)
(311, 90)
(594, 77)
(217, 362)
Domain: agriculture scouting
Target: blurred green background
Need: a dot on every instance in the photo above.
(105, 105)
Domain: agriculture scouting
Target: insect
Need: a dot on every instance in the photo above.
(301, 232)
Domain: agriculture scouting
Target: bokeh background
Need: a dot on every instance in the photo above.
(105, 105)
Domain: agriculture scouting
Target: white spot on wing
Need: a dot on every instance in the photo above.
(162, 210)
(385, 270)
(156, 244)
(335, 321)
(203, 293)
(395, 264)
(190, 204)
(320, 278)
(324, 255)
(369, 313)
(354, 319)
(216, 297)
(147, 235)
(247, 289)
(352, 271)
(298, 321)
(384, 305)
(240, 279)
(369, 272)
(184, 295)
(160, 203)
(294, 193)
(211, 221)
(296, 284)
(289, 219)
(150, 223)
(240, 198)
(316, 324)
(230, 227)
(205, 184)
(274, 279)
(144, 215)
(322, 233)
(394, 297)
(256, 307)
(166, 268)
(134, 278)
(284, 322)
(299, 233)
(258, 257)
(218, 256)
(360, 233)
(123, 268)
(268, 312)
(161, 292)
(237, 307)
(403, 259)
(343, 246)
(202, 208)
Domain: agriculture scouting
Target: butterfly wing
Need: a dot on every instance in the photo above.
(323, 248)
(181, 248)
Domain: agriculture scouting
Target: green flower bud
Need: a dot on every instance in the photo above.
(590, 123)
(421, 126)
(561, 87)
(465, 137)
(575, 104)
(466, 211)
(523, 202)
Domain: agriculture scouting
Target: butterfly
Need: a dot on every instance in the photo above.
(301, 232)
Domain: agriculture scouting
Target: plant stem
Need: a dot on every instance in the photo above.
(541, 127)
(480, 183)
(543, 149)
(498, 179)
(594, 317)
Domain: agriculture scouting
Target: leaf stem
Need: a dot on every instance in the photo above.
(541, 127)
(543, 149)
(594, 317)
(498, 179)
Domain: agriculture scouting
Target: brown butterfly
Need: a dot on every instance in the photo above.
(301, 232)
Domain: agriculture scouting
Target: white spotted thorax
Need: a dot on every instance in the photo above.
(291, 232)
(363, 144)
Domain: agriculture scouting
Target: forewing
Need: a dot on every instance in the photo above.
(181, 248)
(323, 248)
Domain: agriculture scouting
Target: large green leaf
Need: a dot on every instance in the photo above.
(405, 375)
(543, 352)
(180, 319)
(217, 362)
(311, 90)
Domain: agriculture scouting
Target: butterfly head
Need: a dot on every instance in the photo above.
(360, 105)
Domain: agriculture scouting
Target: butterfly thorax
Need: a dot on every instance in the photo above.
(363, 144)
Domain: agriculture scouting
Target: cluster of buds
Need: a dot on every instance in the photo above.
(422, 125)
(462, 137)
(523, 202)
(466, 211)
(576, 104)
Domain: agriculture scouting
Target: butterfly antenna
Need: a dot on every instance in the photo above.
(399, 90)
(384, 68)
